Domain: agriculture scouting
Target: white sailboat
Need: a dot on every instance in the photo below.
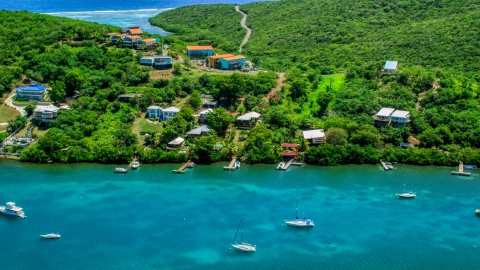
(299, 221)
(242, 246)
(405, 194)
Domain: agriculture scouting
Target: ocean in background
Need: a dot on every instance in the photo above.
(150, 218)
(120, 13)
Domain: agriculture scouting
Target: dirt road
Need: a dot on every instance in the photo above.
(242, 23)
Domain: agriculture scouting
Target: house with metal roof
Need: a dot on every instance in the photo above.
(198, 52)
(248, 120)
(34, 91)
(233, 62)
(213, 61)
(199, 131)
(154, 111)
(131, 41)
(45, 112)
(175, 143)
(400, 118)
(134, 30)
(315, 136)
(390, 67)
(163, 114)
(203, 115)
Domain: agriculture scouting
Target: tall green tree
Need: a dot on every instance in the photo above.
(58, 91)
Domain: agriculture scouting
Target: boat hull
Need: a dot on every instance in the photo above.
(245, 247)
(50, 236)
(406, 195)
(6, 211)
(298, 223)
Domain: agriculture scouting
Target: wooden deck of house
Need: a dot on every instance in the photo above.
(182, 169)
(460, 170)
(232, 166)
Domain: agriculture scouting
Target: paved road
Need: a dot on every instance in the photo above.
(242, 23)
(20, 108)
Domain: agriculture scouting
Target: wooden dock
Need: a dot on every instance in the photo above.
(182, 169)
(384, 165)
(460, 170)
(231, 167)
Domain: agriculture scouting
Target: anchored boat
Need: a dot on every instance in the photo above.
(13, 210)
(242, 246)
(50, 236)
(299, 221)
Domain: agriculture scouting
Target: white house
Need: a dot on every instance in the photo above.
(177, 142)
(400, 117)
(315, 136)
(248, 120)
(45, 112)
(169, 113)
(390, 67)
(199, 131)
(164, 114)
(203, 115)
(384, 114)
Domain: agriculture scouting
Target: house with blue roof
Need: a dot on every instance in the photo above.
(34, 91)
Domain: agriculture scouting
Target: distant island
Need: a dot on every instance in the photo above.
(329, 85)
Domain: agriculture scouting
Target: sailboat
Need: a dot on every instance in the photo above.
(243, 246)
(299, 221)
(407, 195)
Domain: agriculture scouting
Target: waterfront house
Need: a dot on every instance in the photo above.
(400, 118)
(45, 112)
(247, 120)
(382, 118)
(289, 150)
(316, 136)
(131, 41)
(198, 52)
(199, 131)
(234, 62)
(34, 91)
(203, 115)
(213, 61)
(390, 67)
(175, 144)
(134, 30)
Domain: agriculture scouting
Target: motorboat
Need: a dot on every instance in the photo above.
(237, 164)
(242, 246)
(299, 221)
(50, 236)
(477, 211)
(469, 167)
(12, 209)
(135, 164)
(120, 170)
(281, 165)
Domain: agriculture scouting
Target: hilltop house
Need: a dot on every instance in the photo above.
(382, 118)
(134, 30)
(199, 132)
(390, 67)
(234, 62)
(32, 92)
(149, 43)
(316, 136)
(247, 120)
(131, 41)
(175, 144)
(213, 61)
(400, 118)
(163, 114)
(203, 115)
(45, 112)
(158, 62)
(199, 52)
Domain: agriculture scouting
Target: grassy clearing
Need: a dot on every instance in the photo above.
(335, 81)
(7, 113)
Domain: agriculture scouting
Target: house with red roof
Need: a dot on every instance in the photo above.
(198, 52)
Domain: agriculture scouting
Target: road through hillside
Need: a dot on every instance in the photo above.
(242, 23)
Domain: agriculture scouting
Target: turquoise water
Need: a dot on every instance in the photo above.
(151, 218)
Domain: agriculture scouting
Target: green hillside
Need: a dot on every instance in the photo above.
(339, 34)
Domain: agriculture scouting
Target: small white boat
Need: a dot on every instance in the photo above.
(120, 170)
(50, 236)
(135, 164)
(406, 195)
(299, 222)
(477, 211)
(237, 164)
(13, 210)
(243, 246)
(280, 165)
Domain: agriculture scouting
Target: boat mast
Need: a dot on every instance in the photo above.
(296, 206)
(242, 230)
(237, 231)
